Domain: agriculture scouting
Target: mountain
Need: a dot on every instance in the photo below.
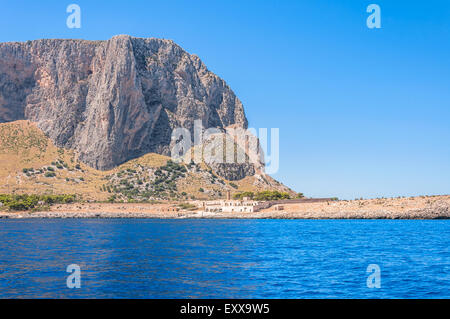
(114, 100)
(110, 102)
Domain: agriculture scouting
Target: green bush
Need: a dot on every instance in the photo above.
(29, 202)
(240, 196)
(263, 196)
(271, 195)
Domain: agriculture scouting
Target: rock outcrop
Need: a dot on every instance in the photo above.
(114, 100)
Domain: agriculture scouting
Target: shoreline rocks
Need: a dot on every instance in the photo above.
(423, 214)
(437, 207)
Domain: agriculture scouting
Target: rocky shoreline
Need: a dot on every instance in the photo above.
(432, 207)
(442, 213)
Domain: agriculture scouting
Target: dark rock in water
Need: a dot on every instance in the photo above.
(113, 100)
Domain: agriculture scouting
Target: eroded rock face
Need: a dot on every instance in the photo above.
(233, 154)
(112, 100)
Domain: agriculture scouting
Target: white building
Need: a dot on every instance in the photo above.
(230, 206)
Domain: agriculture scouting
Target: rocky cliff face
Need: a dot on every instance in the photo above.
(113, 100)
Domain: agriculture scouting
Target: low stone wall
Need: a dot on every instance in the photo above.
(268, 204)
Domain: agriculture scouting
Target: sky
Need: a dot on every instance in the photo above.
(362, 112)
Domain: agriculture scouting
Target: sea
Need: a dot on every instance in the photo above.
(293, 259)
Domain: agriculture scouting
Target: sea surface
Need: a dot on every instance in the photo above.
(137, 258)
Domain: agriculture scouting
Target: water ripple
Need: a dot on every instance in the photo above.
(224, 259)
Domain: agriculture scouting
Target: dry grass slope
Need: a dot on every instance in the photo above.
(32, 164)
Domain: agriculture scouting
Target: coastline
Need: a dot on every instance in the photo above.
(431, 207)
(312, 216)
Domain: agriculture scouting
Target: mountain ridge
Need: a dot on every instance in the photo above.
(112, 100)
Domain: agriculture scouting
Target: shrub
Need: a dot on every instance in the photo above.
(241, 196)
(30, 202)
(263, 196)
(271, 195)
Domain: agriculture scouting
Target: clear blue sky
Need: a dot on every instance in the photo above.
(361, 112)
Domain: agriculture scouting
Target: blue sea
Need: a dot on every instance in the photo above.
(136, 258)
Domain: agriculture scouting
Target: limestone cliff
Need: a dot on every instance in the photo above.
(112, 101)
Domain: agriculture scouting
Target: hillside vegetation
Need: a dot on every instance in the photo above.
(32, 164)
